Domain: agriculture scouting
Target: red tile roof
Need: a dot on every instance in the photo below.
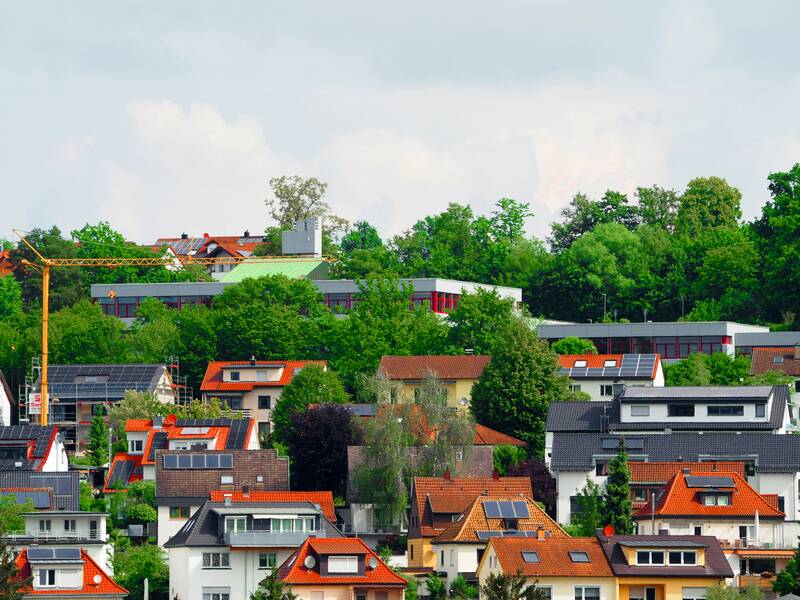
(681, 500)
(598, 361)
(763, 361)
(662, 472)
(554, 559)
(212, 381)
(5, 263)
(485, 436)
(295, 572)
(91, 569)
(474, 519)
(453, 496)
(444, 367)
(323, 499)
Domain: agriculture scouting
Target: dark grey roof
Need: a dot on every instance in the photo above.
(771, 453)
(716, 565)
(16, 435)
(704, 394)
(632, 366)
(65, 485)
(104, 381)
(362, 410)
(577, 416)
(202, 528)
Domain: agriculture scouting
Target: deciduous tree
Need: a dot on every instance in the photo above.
(573, 345)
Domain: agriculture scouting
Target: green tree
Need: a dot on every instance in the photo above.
(788, 580)
(515, 391)
(10, 298)
(272, 588)
(723, 591)
(617, 505)
(573, 345)
(134, 405)
(362, 236)
(12, 583)
(511, 586)
(583, 215)
(313, 385)
(436, 586)
(154, 335)
(135, 564)
(461, 590)
(412, 589)
(478, 321)
(506, 458)
(589, 518)
(97, 450)
(691, 371)
(11, 514)
(708, 202)
(81, 333)
(658, 207)
(725, 369)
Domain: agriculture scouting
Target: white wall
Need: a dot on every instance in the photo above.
(57, 458)
(168, 527)
(569, 483)
(659, 413)
(775, 534)
(5, 407)
(458, 558)
(782, 484)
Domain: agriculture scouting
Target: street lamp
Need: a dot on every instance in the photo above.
(605, 297)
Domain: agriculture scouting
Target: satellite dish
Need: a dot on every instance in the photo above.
(97, 579)
(373, 563)
(309, 562)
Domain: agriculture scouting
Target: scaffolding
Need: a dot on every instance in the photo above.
(181, 390)
(29, 387)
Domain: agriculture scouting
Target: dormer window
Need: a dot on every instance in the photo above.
(47, 577)
(682, 558)
(726, 411)
(579, 363)
(650, 557)
(342, 564)
(761, 410)
(610, 363)
(579, 557)
(716, 499)
(234, 375)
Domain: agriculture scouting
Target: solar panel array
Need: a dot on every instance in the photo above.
(506, 509)
(61, 486)
(630, 443)
(186, 246)
(708, 481)
(41, 434)
(198, 461)
(632, 366)
(237, 434)
(121, 473)
(205, 422)
(485, 535)
(66, 381)
(159, 442)
(53, 554)
(40, 500)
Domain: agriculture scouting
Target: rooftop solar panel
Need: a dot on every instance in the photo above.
(491, 509)
(67, 553)
(506, 510)
(159, 442)
(121, 473)
(521, 510)
(485, 535)
(694, 481)
(40, 554)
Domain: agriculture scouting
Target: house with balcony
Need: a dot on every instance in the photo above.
(67, 571)
(147, 436)
(57, 529)
(229, 546)
(186, 479)
(751, 527)
(460, 547)
(564, 568)
(436, 502)
(650, 478)
(344, 568)
(598, 375)
(32, 448)
(253, 387)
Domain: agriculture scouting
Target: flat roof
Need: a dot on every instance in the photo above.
(648, 329)
(755, 393)
(768, 338)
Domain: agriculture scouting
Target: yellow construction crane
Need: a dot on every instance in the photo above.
(156, 261)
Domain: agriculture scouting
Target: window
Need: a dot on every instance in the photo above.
(69, 525)
(530, 557)
(650, 557)
(761, 410)
(782, 504)
(698, 530)
(459, 455)
(681, 410)
(216, 560)
(610, 363)
(45, 525)
(216, 594)
(47, 577)
(606, 390)
(93, 530)
(178, 512)
(234, 375)
(265, 402)
(441, 561)
(587, 593)
(226, 479)
(640, 411)
(694, 593)
(267, 560)
(747, 532)
(579, 557)
(642, 593)
(317, 595)
(289, 525)
(682, 558)
(579, 364)
(600, 467)
(575, 387)
(235, 524)
(411, 553)
(778, 360)
(452, 558)
(361, 595)
(725, 411)
(640, 494)
(342, 564)
(135, 446)
(716, 499)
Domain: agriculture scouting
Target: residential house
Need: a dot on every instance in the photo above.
(648, 478)
(218, 246)
(340, 569)
(565, 568)
(436, 503)
(460, 547)
(665, 567)
(57, 529)
(185, 479)
(457, 374)
(674, 424)
(48, 490)
(253, 387)
(32, 448)
(146, 436)
(751, 527)
(6, 402)
(228, 547)
(785, 361)
(79, 392)
(598, 374)
(66, 572)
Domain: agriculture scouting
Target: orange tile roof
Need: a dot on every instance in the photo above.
(91, 569)
(132, 425)
(136, 459)
(323, 499)
(681, 500)
(295, 572)
(467, 366)
(662, 472)
(474, 519)
(485, 436)
(453, 496)
(597, 361)
(212, 381)
(554, 560)
(762, 361)
(5, 263)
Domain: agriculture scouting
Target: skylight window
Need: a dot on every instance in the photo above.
(778, 360)
(610, 363)
(579, 363)
(579, 557)
(530, 557)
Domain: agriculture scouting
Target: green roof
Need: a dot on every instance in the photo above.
(290, 267)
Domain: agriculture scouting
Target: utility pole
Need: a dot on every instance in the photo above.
(605, 297)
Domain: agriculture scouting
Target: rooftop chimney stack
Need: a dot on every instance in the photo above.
(184, 236)
(246, 233)
(253, 360)
(495, 475)
(446, 474)
(304, 240)
(246, 491)
(158, 422)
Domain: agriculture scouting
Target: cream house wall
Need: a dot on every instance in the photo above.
(341, 592)
(458, 558)
(459, 391)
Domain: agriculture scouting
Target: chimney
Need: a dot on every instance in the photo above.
(540, 533)
(184, 236)
(797, 351)
(246, 491)
(495, 475)
(246, 233)
(158, 422)
(228, 499)
(253, 360)
(447, 475)
(685, 470)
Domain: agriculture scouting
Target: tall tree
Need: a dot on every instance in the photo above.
(98, 441)
(589, 518)
(295, 198)
(658, 207)
(13, 585)
(708, 202)
(617, 505)
(584, 214)
(479, 320)
(134, 564)
(81, 333)
(10, 298)
(517, 387)
(573, 345)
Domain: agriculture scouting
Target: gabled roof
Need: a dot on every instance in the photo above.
(486, 436)
(414, 368)
(553, 557)
(683, 498)
(322, 499)
(466, 527)
(37, 440)
(453, 496)
(102, 381)
(716, 565)
(661, 472)
(295, 572)
(293, 268)
(63, 486)
(764, 361)
(91, 569)
(212, 381)
(610, 366)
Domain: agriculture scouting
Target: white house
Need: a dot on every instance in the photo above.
(6, 399)
(598, 374)
(66, 572)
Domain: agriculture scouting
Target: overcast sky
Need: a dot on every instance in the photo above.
(171, 117)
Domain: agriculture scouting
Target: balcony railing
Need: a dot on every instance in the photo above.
(51, 537)
(777, 543)
(277, 539)
(764, 583)
(349, 529)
